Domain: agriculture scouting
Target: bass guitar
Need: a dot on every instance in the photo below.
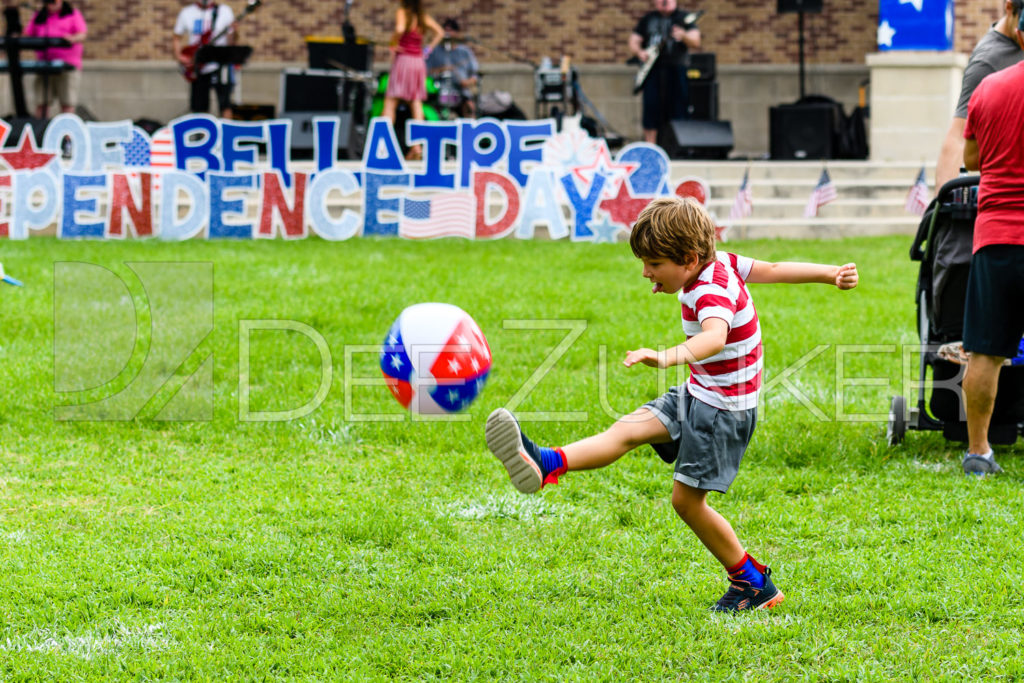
(191, 72)
(658, 42)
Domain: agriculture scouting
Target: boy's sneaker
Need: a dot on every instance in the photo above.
(741, 595)
(980, 465)
(518, 454)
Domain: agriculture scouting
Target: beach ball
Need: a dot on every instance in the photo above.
(435, 359)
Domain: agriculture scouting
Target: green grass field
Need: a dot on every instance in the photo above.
(333, 546)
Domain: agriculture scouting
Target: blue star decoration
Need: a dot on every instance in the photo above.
(605, 230)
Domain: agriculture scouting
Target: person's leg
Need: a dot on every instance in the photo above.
(993, 321)
(713, 530)
(980, 385)
(416, 110)
(636, 429)
(750, 583)
(199, 94)
(223, 91)
(67, 87)
(531, 466)
(40, 90)
(651, 108)
(390, 107)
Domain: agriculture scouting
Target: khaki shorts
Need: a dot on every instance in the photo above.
(63, 87)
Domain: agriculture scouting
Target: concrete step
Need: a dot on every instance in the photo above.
(819, 228)
(760, 171)
(882, 208)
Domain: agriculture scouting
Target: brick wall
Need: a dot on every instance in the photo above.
(739, 31)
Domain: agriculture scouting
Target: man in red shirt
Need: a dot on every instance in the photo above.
(994, 314)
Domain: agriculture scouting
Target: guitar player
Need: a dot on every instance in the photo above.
(197, 24)
(665, 92)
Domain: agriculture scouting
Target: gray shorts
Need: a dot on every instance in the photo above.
(707, 444)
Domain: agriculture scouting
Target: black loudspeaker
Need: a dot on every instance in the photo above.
(805, 6)
(704, 100)
(802, 131)
(686, 139)
(310, 90)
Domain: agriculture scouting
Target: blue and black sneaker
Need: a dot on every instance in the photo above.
(742, 595)
(980, 465)
(523, 459)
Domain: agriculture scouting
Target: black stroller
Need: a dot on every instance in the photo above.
(943, 247)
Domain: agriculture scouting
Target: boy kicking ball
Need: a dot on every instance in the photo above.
(705, 426)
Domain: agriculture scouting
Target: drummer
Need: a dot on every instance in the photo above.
(454, 57)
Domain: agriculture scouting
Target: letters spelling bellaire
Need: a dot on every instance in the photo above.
(200, 177)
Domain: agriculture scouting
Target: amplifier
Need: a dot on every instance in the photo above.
(303, 132)
(309, 90)
(700, 66)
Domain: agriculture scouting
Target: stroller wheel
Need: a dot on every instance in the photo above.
(896, 429)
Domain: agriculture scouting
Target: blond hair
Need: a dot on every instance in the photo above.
(674, 228)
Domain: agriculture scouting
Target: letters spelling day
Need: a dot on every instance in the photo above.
(204, 177)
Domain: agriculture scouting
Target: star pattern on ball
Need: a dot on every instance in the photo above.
(27, 156)
(624, 207)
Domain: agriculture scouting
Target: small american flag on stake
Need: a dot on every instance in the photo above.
(743, 205)
(918, 197)
(824, 192)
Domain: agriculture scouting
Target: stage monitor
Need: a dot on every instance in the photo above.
(805, 6)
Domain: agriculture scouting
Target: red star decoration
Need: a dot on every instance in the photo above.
(5, 128)
(26, 156)
(624, 207)
(603, 161)
(720, 231)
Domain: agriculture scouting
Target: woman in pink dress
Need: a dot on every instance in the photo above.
(408, 79)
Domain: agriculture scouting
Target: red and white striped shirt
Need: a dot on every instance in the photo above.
(731, 379)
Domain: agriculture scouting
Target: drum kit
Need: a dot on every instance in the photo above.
(445, 99)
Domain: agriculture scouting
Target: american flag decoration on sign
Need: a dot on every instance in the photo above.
(743, 205)
(824, 192)
(161, 154)
(444, 215)
(136, 150)
(918, 197)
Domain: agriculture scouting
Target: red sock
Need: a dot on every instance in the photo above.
(552, 476)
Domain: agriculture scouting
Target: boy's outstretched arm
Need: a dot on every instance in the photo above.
(843, 277)
(711, 340)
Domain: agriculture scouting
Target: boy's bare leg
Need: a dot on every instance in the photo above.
(713, 530)
(531, 466)
(636, 429)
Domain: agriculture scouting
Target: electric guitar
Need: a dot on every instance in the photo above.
(191, 72)
(654, 50)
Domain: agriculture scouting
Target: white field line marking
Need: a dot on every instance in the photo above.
(116, 637)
